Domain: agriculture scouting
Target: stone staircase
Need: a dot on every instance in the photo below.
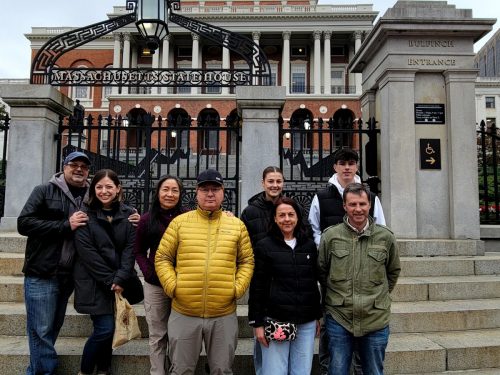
(446, 316)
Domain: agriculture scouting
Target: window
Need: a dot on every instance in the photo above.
(81, 92)
(338, 51)
(107, 90)
(274, 74)
(183, 90)
(209, 89)
(337, 80)
(298, 75)
(490, 102)
(299, 51)
(184, 51)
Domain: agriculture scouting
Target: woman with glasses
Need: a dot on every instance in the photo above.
(104, 266)
(166, 206)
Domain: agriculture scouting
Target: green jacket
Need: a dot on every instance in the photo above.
(359, 272)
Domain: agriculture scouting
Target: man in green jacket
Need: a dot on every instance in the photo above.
(358, 269)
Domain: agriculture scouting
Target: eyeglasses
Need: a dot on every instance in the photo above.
(83, 167)
(206, 191)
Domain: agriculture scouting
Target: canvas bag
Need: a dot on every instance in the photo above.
(126, 324)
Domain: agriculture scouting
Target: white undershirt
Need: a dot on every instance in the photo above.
(292, 243)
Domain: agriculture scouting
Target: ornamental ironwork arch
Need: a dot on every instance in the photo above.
(45, 71)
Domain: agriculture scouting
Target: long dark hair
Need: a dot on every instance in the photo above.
(155, 210)
(94, 203)
(300, 229)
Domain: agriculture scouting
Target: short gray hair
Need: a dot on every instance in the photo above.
(356, 188)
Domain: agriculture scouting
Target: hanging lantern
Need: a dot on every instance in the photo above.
(151, 16)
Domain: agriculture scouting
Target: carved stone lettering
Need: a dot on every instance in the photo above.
(423, 61)
(431, 43)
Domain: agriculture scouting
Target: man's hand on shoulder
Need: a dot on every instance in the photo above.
(78, 219)
(134, 218)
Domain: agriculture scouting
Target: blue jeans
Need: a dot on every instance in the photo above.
(290, 357)
(257, 357)
(371, 349)
(46, 301)
(97, 351)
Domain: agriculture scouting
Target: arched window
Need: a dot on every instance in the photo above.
(136, 137)
(233, 123)
(301, 121)
(179, 121)
(342, 119)
(208, 140)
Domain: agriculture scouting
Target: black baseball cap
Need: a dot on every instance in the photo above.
(210, 175)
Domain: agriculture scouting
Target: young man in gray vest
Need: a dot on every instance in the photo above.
(327, 209)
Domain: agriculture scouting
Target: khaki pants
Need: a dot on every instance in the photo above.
(186, 334)
(157, 309)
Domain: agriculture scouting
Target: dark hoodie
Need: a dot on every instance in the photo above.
(45, 220)
(257, 216)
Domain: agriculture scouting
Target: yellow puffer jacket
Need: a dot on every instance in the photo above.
(204, 263)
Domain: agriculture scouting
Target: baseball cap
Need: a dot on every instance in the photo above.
(210, 175)
(76, 155)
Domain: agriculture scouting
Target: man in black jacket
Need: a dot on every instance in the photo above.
(49, 218)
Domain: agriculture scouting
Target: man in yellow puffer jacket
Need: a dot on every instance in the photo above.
(205, 263)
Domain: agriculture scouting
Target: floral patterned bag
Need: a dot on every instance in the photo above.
(280, 331)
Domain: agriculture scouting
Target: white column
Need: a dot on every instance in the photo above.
(285, 68)
(256, 39)
(327, 64)
(357, 76)
(165, 56)
(317, 62)
(126, 57)
(126, 51)
(226, 64)
(195, 57)
(134, 58)
(156, 65)
(116, 57)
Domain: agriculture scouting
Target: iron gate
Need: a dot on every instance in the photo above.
(306, 155)
(4, 131)
(143, 149)
(488, 138)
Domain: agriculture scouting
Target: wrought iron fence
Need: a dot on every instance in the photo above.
(488, 168)
(4, 132)
(145, 148)
(306, 155)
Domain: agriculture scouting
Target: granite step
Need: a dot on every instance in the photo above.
(408, 289)
(439, 316)
(488, 264)
(11, 264)
(406, 354)
(442, 288)
(13, 321)
(407, 317)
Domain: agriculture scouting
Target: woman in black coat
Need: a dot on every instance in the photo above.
(104, 266)
(284, 288)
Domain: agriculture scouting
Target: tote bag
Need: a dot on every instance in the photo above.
(126, 324)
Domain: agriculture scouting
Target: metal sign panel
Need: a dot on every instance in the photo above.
(430, 153)
(429, 114)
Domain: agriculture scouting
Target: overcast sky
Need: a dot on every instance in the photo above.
(19, 16)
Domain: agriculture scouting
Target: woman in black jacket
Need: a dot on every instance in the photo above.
(284, 288)
(104, 265)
